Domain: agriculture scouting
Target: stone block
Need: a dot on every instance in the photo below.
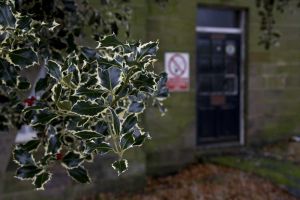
(169, 161)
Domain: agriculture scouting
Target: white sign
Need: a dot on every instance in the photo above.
(177, 66)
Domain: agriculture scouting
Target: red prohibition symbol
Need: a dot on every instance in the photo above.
(177, 65)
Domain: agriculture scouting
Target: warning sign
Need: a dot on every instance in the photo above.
(177, 66)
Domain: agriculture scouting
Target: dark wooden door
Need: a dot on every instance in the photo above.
(218, 87)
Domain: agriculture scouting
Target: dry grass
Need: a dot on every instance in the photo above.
(206, 182)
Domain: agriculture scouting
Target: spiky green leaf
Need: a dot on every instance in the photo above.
(105, 63)
(44, 117)
(54, 144)
(41, 84)
(120, 166)
(23, 57)
(101, 147)
(79, 174)
(67, 81)
(115, 122)
(22, 157)
(136, 107)
(110, 41)
(140, 139)
(162, 89)
(56, 92)
(30, 145)
(27, 172)
(127, 141)
(72, 159)
(41, 179)
(7, 18)
(54, 69)
(87, 108)
(148, 49)
(110, 78)
(89, 93)
(22, 83)
(64, 105)
(88, 134)
(129, 123)
(102, 127)
(24, 22)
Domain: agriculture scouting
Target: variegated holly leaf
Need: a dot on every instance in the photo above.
(67, 82)
(115, 122)
(41, 84)
(110, 41)
(145, 82)
(100, 147)
(23, 57)
(102, 127)
(64, 105)
(110, 78)
(136, 107)
(54, 141)
(24, 23)
(129, 123)
(72, 159)
(89, 53)
(89, 93)
(148, 49)
(162, 91)
(23, 157)
(44, 117)
(127, 140)
(54, 144)
(88, 134)
(87, 108)
(120, 166)
(7, 18)
(79, 174)
(140, 139)
(105, 63)
(54, 70)
(31, 145)
(41, 179)
(56, 92)
(27, 172)
(22, 83)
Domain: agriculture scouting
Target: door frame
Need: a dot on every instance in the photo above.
(242, 31)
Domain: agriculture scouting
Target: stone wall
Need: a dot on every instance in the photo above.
(274, 82)
(271, 87)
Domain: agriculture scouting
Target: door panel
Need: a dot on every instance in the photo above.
(218, 78)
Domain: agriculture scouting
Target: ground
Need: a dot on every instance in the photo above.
(207, 182)
(271, 172)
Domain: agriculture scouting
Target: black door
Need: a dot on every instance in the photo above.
(218, 88)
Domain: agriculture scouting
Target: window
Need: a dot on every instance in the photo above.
(209, 17)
